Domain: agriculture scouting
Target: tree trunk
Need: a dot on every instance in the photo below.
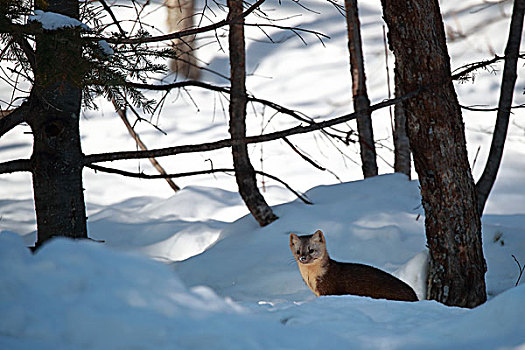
(244, 172)
(54, 119)
(436, 133)
(181, 14)
(359, 94)
(402, 163)
(485, 183)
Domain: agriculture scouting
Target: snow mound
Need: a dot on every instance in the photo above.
(94, 293)
(375, 221)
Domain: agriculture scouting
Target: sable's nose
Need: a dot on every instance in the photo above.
(302, 258)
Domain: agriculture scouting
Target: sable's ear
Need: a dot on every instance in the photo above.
(318, 235)
(293, 238)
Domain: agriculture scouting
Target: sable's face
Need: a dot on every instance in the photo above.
(307, 249)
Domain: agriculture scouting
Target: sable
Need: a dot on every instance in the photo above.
(325, 276)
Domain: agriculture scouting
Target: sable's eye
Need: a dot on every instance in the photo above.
(310, 251)
(297, 252)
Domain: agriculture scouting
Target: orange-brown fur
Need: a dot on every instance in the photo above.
(325, 276)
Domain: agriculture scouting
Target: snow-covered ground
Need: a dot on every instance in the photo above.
(192, 270)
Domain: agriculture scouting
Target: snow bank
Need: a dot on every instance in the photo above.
(83, 295)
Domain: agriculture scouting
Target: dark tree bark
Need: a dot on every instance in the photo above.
(359, 93)
(54, 114)
(244, 172)
(437, 139)
(485, 183)
(402, 163)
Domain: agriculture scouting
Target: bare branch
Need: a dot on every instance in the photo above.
(183, 33)
(15, 166)
(33, 28)
(226, 90)
(209, 146)
(113, 17)
(192, 173)
(26, 48)
(301, 197)
(313, 126)
(293, 29)
(469, 68)
(178, 85)
(15, 117)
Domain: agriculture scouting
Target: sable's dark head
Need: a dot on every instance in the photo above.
(308, 249)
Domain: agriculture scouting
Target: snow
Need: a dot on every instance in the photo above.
(54, 21)
(193, 270)
(106, 48)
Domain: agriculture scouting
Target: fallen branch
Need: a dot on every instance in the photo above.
(154, 162)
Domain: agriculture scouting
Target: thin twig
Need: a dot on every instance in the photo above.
(469, 68)
(183, 33)
(493, 109)
(520, 268)
(302, 155)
